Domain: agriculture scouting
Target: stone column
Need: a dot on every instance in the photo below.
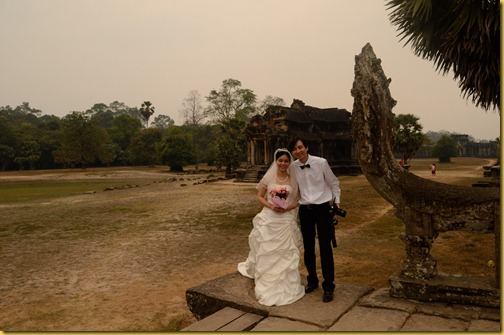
(266, 152)
(419, 264)
(418, 238)
(250, 153)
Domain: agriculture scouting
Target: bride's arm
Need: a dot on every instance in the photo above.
(262, 200)
(294, 204)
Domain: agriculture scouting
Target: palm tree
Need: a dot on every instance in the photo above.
(458, 35)
(146, 110)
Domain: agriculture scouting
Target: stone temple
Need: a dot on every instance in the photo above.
(327, 131)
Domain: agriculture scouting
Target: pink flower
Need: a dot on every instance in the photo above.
(279, 196)
(279, 202)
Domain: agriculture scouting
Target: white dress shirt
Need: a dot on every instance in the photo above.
(317, 184)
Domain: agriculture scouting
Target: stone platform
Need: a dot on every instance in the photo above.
(455, 289)
(355, 308)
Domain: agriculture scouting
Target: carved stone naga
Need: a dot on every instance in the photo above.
(426, 207)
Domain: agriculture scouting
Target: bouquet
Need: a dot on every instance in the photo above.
(279, 196)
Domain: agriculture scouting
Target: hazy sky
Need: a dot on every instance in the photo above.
(66, 55)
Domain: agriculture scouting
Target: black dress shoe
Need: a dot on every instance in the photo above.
(310, 288)
(328, 296)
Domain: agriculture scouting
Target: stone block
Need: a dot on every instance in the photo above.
(285, 325)
(364, 319)
(484, 326)
(381, 299)
(454, 289)
(311, 309)
(427, 323)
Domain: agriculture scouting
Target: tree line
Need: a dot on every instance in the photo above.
(119, 135)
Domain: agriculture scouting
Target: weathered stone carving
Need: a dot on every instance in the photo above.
(425, 206)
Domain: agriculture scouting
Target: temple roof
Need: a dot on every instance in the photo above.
(315, 114)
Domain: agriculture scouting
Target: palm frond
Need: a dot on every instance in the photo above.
(462, 36)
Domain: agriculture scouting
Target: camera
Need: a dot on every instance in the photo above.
(337, 211)
(333, 211)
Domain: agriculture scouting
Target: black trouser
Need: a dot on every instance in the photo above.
(316, 220)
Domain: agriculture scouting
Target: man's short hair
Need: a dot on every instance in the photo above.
(293, 142)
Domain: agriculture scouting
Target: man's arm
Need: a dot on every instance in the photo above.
(333, 183)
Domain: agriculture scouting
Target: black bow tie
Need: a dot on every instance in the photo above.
(305, 166)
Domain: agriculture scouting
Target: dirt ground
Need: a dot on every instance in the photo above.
(115, 260)
(121, 260)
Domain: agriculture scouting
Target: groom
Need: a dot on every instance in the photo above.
(318, 186)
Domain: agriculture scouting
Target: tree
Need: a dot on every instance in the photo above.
(445, 149)
(270, 101)
(409, 137)
(48, 137)
(231, 101)
(20, 128)
(162, 121)
(176, 149)
(463, 36)
(146, 110)
(25, 108)
(231, 144)
(7, 154)
(97, 108)
(124, 128)
(143, 146)
(231, 108)
(81, 142)
(24, 124)
(121, 108)
(109, 153)
(104, 118)
(28, 154)
(204, 138)
(192, 111)
(7, 142)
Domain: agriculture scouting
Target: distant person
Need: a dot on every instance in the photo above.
(318, 186)
(433, 169)
(401, 163)
(275, 239)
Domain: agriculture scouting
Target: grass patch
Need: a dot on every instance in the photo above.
(33, 191)
(386, 227)
(459, 252)
(232, 220)
(370, 255)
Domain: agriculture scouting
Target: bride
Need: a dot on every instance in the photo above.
(273, 260)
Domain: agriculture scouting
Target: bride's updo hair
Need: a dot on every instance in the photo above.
(280, 152)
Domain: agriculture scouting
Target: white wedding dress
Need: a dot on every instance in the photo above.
(273, 260)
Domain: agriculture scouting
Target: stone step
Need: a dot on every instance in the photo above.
(226, 319)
